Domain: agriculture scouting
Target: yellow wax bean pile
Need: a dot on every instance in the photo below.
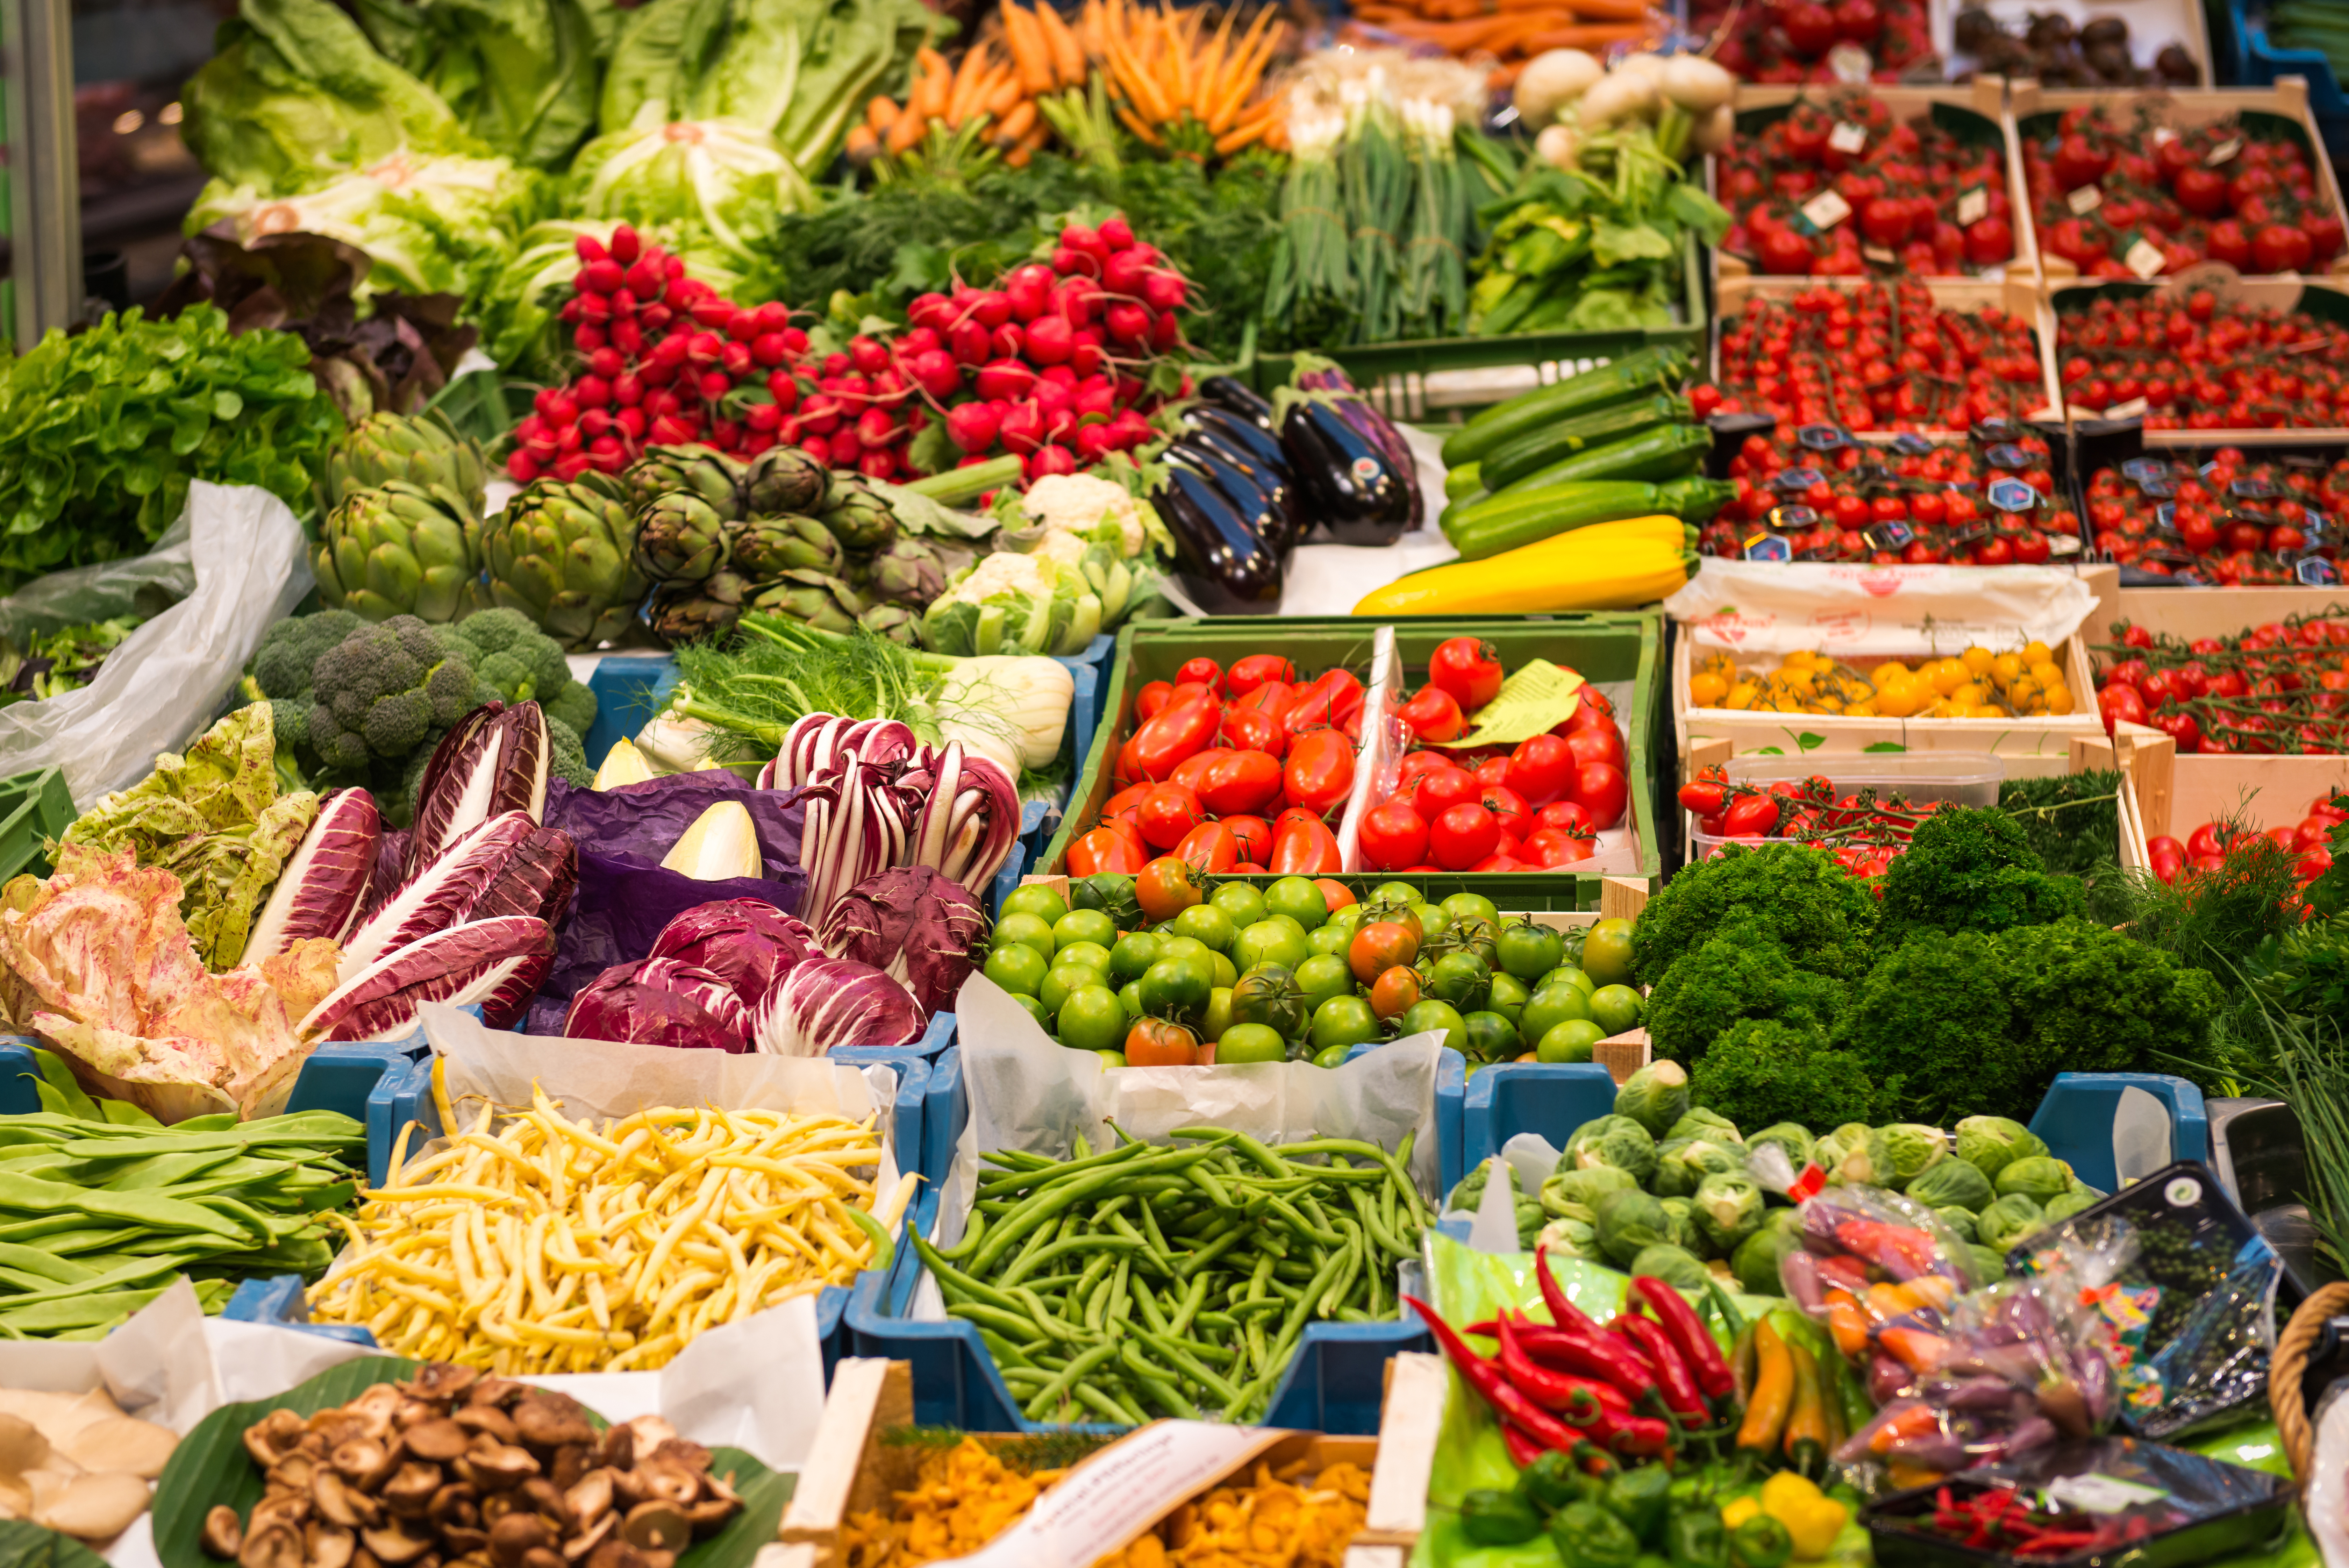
(556, 1246)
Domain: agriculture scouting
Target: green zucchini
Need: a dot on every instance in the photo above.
(1537, 450)
(1693, 500)
(1664, 451)
(1504, 522)
(1459, 484)
(1645, 370)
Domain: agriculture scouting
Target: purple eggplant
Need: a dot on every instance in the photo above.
(1240, 399)
(1347, 483)
(1222, 562)
(1258, 505)
(1256, 454)
(1374, 427)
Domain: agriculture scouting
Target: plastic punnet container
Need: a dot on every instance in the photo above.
(1926, 778)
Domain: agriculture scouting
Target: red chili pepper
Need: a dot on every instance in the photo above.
(1498, 1392)
(1682, 1395)
(1523, 1450)
(1689, 1335)
(1640, 1434)
(1563, 1313)
(1596, 1355)
(1571, 1397)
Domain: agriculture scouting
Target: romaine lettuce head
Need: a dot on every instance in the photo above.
(724, 178)
(429, 225)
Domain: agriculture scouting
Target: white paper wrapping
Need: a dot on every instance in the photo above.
(1851, 609)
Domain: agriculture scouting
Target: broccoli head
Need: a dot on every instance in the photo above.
(1741, 973)
(1791, 896)
(383, 689)
(2087, 999)
(507, 649)
(1931, 1026)
(1971, 870)
(567, 754)
(282, 664)
(1763, 1071)
(574, 705)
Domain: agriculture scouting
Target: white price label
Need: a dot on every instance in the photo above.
(1973, 206)
(2224, 151)
(1825, 210)
(2085, 200)
(2162, 135)
(2144, 258)
(1847, 137)
(1851, 65)
(1880, 255)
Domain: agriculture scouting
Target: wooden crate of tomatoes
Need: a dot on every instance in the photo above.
(2206, 359)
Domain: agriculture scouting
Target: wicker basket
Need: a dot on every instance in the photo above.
(2291, 1366)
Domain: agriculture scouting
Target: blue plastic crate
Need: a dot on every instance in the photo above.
(2074, 1120)
(344, 1075)
(936, 1035)
(1039, 821)
(1506, 1099)
(629, 688)
(1090, 669)
(2245, 58)
(18, 1069)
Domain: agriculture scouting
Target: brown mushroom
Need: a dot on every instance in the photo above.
(619, 1452)
(682, 1452)
(363, 1558)
(500, 1392)
(273, 1439)
(661, 1482)
(550, 1421)
(375, 1409)
(709, 1513)
(590, 1497)
(650, 1432)
(393, 1546)
(224, 1533)
(329, 1547)
(365, 1462)
(454, 1504)
(442, 1380)
(571, 1461)
(493, 1467)
(277, 1546)
(333, 1497)
(579, 1545)
(516, 1533)
(655, 1558)
(547, 1499)
(410, 1492)
(497, 1505)
(541, 1557)
(657, 1527)
(439, 1439)
(288, 1507)
(488, 1420)
(464, 1538)
(615, 1553)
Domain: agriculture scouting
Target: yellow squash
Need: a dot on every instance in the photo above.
(1608, 566)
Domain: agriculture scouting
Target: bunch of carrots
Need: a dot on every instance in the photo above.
(1183, 84)
(1511, 31)
(1040, 56)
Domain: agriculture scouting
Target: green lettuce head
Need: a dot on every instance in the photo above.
(2073, 1201)
(1989, 1143)
(1630, 1221)
(1961, 1222)
(1679, 1224)
(1915, 1148)
(1866, 1161)
(2040, 1178)
(1953, 1183)
(2007, 1221)
(1708, 1124)
(1793, 1137)
(1574, 1237)
(1755, 1261)
(1683, 1166)
(721, 177)
(429, 225)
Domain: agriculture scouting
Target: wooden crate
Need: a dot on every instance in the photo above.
(1986, 96)
(2286, 100)
(2190, 613)
(2178, 794)
(2020, 297)
(850, 1468)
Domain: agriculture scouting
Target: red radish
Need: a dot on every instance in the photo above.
(1030, 289)
(1124, 270)
(1116, 233)
(1060, 373)
(1165, 291)
(1079, 299)
(716, 384)
(937, 373)
(1166, 332)
(785, 389)
(968, 340)
(875, 428)
(1095, 441)
(1049, 459)
(768, 349)
(1022, 427)
(1054, 399)
(931, 310)
(1127, 323)
(821, 414)
(972, 426)
(1085, 353)
(593, 391)
(627, 391)
(1049, 339)
(1005, 379)
(881, 465)
(1072, 263)
(736, 358)
(763, 417)
(990, 308)
(1096, 396)
(606, 276)
(846, 448)
(1132, 429)
(1085, 241)
(816, 446)
(917, 340)
(1007, 341)
(837, 364)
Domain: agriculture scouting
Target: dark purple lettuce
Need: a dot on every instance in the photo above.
(914, 924)
(745, 942)
(660, 1001)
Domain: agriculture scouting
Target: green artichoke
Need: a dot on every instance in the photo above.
(398, 548)
(895, 622)
(563, 556)
(766, 547)
(696, 470)
(705, 611)
(908, 572)
(422, 449)
(784, 479)
(860, 519)
(681, 538)
(825, 603)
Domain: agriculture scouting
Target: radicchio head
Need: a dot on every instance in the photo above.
(660, 1001)
(746, 942)
(915, 923)
(824, 1003)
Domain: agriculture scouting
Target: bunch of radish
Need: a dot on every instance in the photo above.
(1051, 364)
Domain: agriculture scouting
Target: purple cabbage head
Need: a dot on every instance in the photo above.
(746, 942)
(660, 1001)
(824, 1003)
(916, 924)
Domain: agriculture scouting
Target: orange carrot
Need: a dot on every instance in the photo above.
(906, 131)
(863, 145)
(928, 99)
(1589, 36)
(1030, 50)
(881, 113)
(1015, 124)
(1136, 124)
(1001, 91)
(1067, 55)
(962, 99)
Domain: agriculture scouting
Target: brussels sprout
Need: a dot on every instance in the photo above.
(1680, 1225)
(1655, 1096)
(1674, 1265)
(1915, 1149)
(1728, 1209)
(2008, 1220)
(1992, 1142)
(1961, 1222)
(1629, 1221)
(1706, 1124)
(1953, 1184)
(1865, 1161)
(1792, 1136)
(1574, 1237)
(1470, 1191)
(1755, 1263)
(2074, 1200)
(1571, 1194)
(2036, 1177)
(1830, 1150)
(1614, 1140)
(1682, 1166)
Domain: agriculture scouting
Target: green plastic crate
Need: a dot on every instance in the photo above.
(34, 808)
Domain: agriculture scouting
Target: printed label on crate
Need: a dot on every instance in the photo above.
(2302, 460)
(2183, 1192)
(1769, 547)
(2144, 468)
(2144, 258)
(1122, 1491)
(1794, 480)
(2084, 200)
(2007, 454)
(2156, 489)
(2097, 1492)
(2063, 544)
(2135, 409)
(1823, 438)
(2316, 572)
(1908, 443)
(2166, 514)
(2011, 495)
(2314, 523)
(1847, 137)
(1793, 517)
(1973, 205)
(1825, 210)
(1996, 428)
(1852, 65)
(2254, 489)
(1891, 534)
(2224, 151)
(1880, 255)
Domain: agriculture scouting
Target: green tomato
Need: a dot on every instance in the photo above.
(1343, 1020)
(1491, 1037)
(1177, 987)
(1395, 893)
(1227, 974)
(1606, 951)
(1111, 1058)
(1029, 931)
(1568, 1041)
(1242, 901)
(1018, 969)
(1330, 939)
(1323, 976)
(1552, 1005)
(1035, 1010)
(1433, 922)
(1334, 1056)
(1440, 1017)
(1472, 906)
(1133, 954)
(1347, 920)
(1615, 1008)
(1463, 979)
(1271, 942)
(1527, 951)
(1180, 947)
(1269, 995)
(1250, 1042)
(1291, 921)
(1087, 955)
(1037, 900)
(1110, 891)
(1508, 997)
(1129, 996)
(1084, 925)
(1063, 981)
(1567, 974)
(1207, 924)
(1091, 1018)
(1474, 934)
(1300, 900)
(1218, 1015)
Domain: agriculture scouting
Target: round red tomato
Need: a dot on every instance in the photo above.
(1541, 769)
(1107, 849)
(2120, 705)
(1433, 716)
(1603, 791)
(1566, 813)
(1203, 670)
(1749, 814)
(1168, 813)
(1253, 730)
(1462, 837)
(1595, 744)
(2206, 841)
(1509, 809)
(1254, 834)
(1165, 889)
(1394, 836)
(1377, 948)
(1156, 1043)
(1211, 848)
(1492, 771)
(1441, 789)
(1468, 669)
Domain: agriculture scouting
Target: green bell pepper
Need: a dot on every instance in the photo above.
(1694, 1538)
(1760, 1542)
(1490, 1516)
(1640, 1497)
(1588, 1536)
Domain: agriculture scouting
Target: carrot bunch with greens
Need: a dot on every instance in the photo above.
(1184, 81)
(1005, 82)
